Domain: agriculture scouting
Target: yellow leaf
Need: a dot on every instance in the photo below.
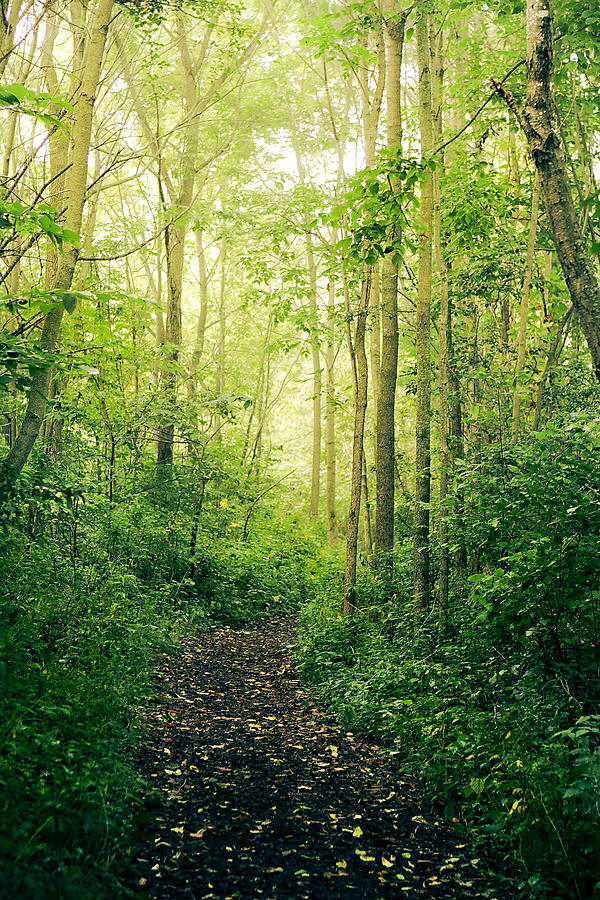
(342, 864)
(385, 862)
(358, 832)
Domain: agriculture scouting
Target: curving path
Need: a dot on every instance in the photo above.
(261, 796)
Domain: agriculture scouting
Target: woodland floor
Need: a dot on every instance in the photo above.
(260, 795)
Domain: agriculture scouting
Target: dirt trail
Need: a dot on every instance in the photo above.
(263, 797)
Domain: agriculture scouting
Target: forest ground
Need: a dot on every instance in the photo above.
(259, 794)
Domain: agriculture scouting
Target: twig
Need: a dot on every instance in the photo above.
(260, 496)
(496, 84)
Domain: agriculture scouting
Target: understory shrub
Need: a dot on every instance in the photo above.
(499, 710)
(75, 662)
(90, 592)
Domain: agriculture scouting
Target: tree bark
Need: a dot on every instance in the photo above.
(75, 188)
(385, 443)
(375, 339)
(445, 334)
(330, 417)
(553, 355)
(315, 350)
(524, 310)
(423, 317)
(360, 408)
(175, 237)
(8, 22)
(541, 125)
(201, 324)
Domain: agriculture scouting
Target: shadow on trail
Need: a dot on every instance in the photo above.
(263, 797)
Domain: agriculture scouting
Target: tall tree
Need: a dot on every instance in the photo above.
(360, 408)
(444, 326)
(330, 414)
(84, 96)
(423, 324)
(395, 20)
(524, 308)
(540, 121)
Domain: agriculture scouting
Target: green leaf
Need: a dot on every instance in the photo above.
(18, 90)
(72, 237)
(69, 302)
(49, 226)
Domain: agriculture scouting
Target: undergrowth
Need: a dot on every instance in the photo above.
(91, 592)
(499, 711)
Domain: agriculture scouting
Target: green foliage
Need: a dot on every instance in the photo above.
(75, 659)
(374, 209)
(91, 592)
(499, 711)
(32, 103)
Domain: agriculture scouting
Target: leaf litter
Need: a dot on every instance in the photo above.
(263, 796)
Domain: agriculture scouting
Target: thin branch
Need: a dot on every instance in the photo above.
(498, 89)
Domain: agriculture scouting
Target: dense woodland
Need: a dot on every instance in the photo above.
(300, 312)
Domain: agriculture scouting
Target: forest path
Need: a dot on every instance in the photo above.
(264, 797)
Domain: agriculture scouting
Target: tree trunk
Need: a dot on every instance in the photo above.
(175, 237)
(445, 339)
(375, 338)
(367, 523)
(423, 317)
(540, 122)
(385, 443)
(8, 22)
(360, 408)
(174, 249)
(220, 370)
(553, 356)
(317, 385)
(330, 416)
(524, 311)
(75, 187)
(201, 324)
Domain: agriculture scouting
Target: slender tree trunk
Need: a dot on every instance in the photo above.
(175, 238)
(541, 124)
(360, 408)
(315, 350)
(524, 310)
(367, 523)
(553, 356)
(9, 19)
(259, 391)
(375, 339)
(330, 416)
(220, 372)
(445, 333)
(201, 324)
(174, 248)
(423, 319)
(385, 446)
(371, 111)
(24, 71)
(76, 185)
